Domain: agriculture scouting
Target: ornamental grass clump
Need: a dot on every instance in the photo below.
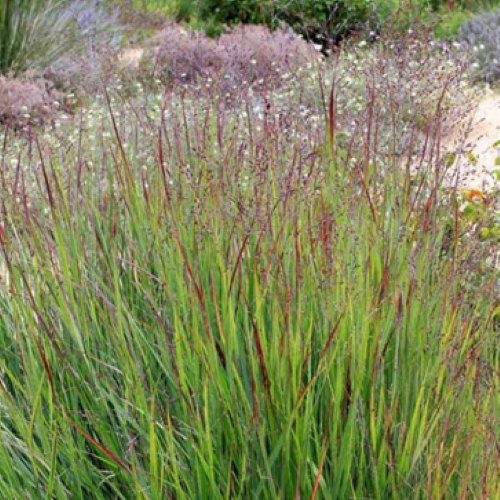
(32, 34)
(37, 34)
(255, 301)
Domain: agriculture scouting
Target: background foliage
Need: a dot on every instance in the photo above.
(317, 18)
(37, 33)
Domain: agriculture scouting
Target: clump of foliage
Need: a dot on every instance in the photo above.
(26, 100)
(37, 33)
(235, 61)
(452, 15)
(30, 34)
(481, 35)
(311, 18)
(320, 21)
(252, 301)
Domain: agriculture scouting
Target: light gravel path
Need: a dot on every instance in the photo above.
(132, 56)
(477, 162)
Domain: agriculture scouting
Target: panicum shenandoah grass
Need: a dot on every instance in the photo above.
(264, 300)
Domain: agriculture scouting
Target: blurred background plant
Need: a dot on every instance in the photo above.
(314, 19)
(317, 19)
(481, 35)
(36, 34)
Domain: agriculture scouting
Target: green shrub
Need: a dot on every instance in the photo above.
(319, 19)
(316, 19)
(450, 23)
(451, 16)
(312, 18)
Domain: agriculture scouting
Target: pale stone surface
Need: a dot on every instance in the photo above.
(475, 144)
